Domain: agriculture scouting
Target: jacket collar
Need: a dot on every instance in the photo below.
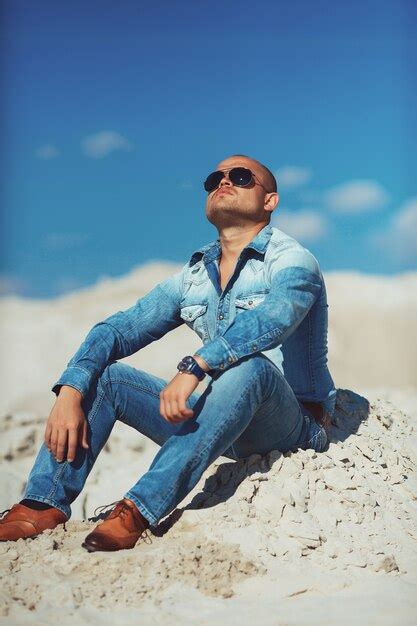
(212, 250)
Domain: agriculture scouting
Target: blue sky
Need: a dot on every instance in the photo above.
(114, 113)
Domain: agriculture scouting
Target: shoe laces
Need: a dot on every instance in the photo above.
(98, 511)
(124, 510)
(4, 513)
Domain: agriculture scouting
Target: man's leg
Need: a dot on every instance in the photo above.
(249, 408)
(122, 392)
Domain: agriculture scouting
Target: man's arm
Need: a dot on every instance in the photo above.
(293, 292)
(124, 333)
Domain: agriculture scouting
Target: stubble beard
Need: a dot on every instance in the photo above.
(222, 215)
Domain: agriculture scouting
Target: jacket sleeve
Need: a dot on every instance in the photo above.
(293, 292)
(124, 333)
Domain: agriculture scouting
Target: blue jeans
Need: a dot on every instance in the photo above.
(248, 408)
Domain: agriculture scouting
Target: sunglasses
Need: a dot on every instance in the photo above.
(239, 176)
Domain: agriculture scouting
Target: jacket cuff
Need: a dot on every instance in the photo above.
(217, 354)
(76, 377)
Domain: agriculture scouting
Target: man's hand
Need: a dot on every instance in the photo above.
(174, 396)
(66, 426)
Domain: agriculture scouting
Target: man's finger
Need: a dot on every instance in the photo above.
(183, 408)
(84, 441)
(72, 444)
(174, 409)
(47, 436)
(181, 411)
(168, 410)
(162, 408)
(171, 411)
(53, 441)
(61, 444)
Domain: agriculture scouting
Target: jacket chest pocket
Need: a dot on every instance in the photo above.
(248, 302)
(194, 315)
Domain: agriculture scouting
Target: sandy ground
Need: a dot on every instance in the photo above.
(294, 539)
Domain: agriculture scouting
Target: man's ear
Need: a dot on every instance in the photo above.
(271, 201)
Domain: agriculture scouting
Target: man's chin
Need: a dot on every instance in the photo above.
(223, 207)
(223, 216)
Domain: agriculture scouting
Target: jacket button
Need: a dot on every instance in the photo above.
(221, 317)
(254, 347)
(190, 314)
(230, 359)
(221, 365)
(250, 302)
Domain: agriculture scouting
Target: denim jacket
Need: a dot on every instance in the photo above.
(275, 302)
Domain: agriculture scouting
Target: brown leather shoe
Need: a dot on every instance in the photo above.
(21, 522)
(119, 531)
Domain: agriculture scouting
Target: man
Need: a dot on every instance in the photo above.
(257, 299)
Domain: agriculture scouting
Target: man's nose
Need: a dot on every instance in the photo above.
(225, 180)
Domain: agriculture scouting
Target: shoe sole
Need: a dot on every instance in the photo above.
(89, 547)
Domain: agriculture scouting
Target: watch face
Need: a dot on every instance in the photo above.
(185, 363)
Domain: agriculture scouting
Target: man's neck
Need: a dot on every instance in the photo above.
(234, 238)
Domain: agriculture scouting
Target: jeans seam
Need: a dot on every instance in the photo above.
(92, 417)
(143, 509)
(56, 478)
(135, 386)
(77, 367)
(47, 500)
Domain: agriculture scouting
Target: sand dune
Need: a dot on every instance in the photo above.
(301, 538)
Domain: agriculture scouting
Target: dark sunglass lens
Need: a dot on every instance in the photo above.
(240, 176)
(212, 181)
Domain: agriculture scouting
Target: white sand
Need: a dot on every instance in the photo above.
(303, 538)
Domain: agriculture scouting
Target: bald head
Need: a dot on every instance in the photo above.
(268, 177)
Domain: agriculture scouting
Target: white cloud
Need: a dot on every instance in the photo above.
(306, 225)
(103, 143)
(48, 151)
(291, 176)
(356, 196)
(64, 241)
(399, 239)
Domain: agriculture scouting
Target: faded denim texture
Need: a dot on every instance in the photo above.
(264, 338)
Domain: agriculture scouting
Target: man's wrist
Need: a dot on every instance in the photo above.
(69, 392)
(189, 365)
(201, 362)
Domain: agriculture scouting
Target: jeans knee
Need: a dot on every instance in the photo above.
(112, 373)
(250, 370)
(256, 364)
(116, 373)
(109, 373)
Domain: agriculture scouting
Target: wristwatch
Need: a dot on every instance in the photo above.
(188, 365)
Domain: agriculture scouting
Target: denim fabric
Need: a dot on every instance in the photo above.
(265, 339)
(275, 303)
(261, 415)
